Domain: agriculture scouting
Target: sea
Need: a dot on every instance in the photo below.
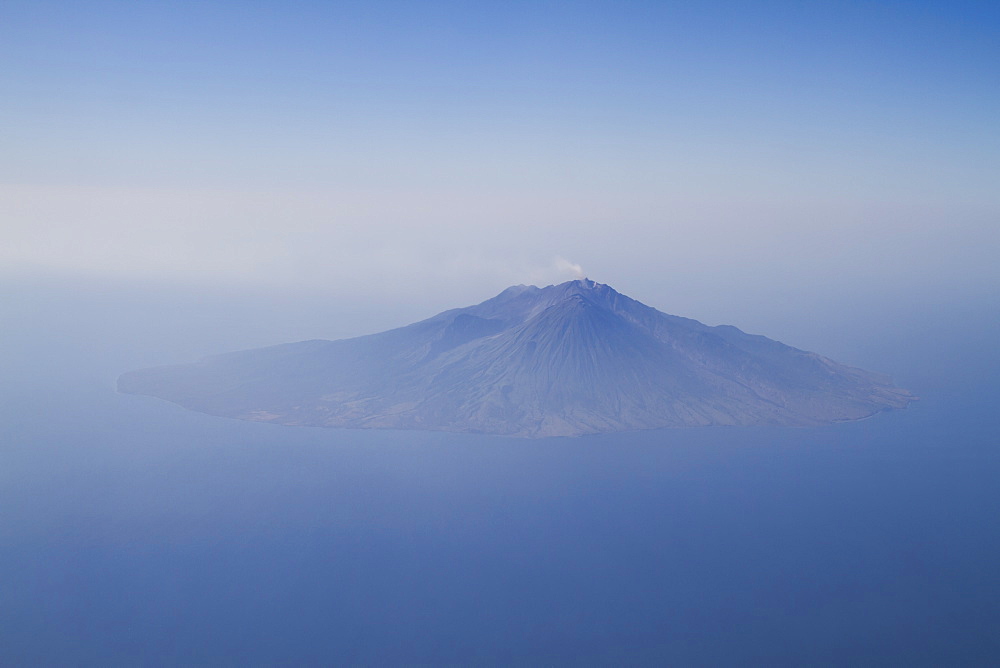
(134, 532)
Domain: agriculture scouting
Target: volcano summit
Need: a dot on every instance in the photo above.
(564, 360)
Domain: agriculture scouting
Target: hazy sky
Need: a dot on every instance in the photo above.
(398, 149)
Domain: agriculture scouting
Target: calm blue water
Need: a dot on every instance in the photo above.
(132, 531)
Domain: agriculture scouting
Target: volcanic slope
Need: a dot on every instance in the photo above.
(564, 360)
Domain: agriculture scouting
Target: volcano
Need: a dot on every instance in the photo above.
(564, 360)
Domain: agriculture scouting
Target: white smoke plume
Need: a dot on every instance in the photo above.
(565, 267)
